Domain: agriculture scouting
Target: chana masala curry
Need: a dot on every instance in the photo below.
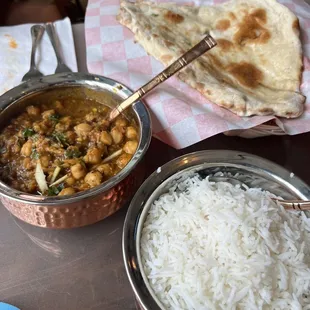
(64, 147)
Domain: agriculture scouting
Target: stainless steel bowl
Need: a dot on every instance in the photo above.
(252, 170)
(92, 205)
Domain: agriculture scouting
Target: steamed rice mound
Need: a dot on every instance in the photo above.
(208, 245)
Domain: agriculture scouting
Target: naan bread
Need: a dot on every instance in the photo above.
(256, 67)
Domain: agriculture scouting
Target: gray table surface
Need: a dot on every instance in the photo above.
(64, 270)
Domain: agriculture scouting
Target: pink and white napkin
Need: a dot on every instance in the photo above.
(181, 116)
(15, 50)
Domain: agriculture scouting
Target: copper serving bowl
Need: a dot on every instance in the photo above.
(91, 205)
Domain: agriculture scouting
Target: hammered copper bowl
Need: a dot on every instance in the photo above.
(93, 205)
(251, 170)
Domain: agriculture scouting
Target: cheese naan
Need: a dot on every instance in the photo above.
(254, 70)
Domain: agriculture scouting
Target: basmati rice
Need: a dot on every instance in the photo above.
(207, 245)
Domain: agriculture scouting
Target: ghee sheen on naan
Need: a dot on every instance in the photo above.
(256, 67)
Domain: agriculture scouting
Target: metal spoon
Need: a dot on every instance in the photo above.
(61, 66)
(36, 36)
(297, 205)
(203, 46)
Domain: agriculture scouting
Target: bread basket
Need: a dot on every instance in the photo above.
(263, 130)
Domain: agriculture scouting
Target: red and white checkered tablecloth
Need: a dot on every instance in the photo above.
(181, 116)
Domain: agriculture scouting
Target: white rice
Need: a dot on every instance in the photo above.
(208, 245)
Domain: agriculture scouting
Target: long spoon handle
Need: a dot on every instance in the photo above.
(50, 29)
(52, 34)
(297, 205)
(203, 46)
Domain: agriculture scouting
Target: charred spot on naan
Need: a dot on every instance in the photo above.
(260, 15)
(165, 33)
(164, 28)
(168, 43)
(173, 17)
(290, 114)
(223, 24)
(215, 62)
(246, 74)
(227, 105)
(251, 29)
(224, 45)
(295, 25)
(166, 59)
(200, 87)
(232, 15)
(266, 111)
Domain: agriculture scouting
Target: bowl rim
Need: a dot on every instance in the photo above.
(136, 212)
(90, 81)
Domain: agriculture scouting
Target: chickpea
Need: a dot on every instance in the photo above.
(117, 135)
(71, 136)
(66, 120)
(67, 191)
(105, 169)
(103, 148)
(32, 110)
(71, 161)
(64, 123)
(84, 187)
(61, 127)
(90, 117)
(93, 178)
(130, 146)
(30, 186)
(40, 128)
(70, 181)
(47, 114)
(54, 150)
(58, 105)
(26, 148)
(106, 138)
(131, 132)
(120, 122)
(36, 127)
(105, 123)
(26, 123)
(27, 163)
(45, 159)
(82, 129)
(11, 141)
(78, 171)
(123, 160)
(93, 156)
(94, 136)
